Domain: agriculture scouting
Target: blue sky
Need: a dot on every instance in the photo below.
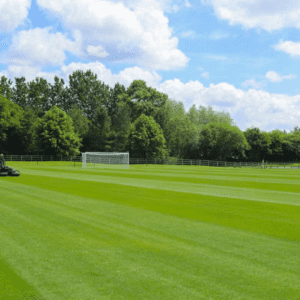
(238, 56)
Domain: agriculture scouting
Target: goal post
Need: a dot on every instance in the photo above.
(105, 158)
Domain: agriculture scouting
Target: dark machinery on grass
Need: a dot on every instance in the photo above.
(5, 170)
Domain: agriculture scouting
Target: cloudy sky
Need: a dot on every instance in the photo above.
(239, 56)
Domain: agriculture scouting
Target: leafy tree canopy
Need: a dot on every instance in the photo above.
(219, 141)
(143, 100)
(39, 96)
(80, 122)
(10, 120)
(276, 146)
(146, 139)
(5, 88)
(87, 92)
(55, 134)
(205, 115)
(259, 143)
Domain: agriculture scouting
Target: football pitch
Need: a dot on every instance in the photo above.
(149, 232)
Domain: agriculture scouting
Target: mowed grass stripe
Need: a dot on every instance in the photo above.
(274, 219)
(83, 248)
(252, 194)
(13, 286)
(293, 174)
(200, 177)
(252, 174)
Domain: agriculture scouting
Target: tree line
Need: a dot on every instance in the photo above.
(88, 115)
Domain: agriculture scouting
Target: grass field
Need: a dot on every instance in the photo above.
(149, 232)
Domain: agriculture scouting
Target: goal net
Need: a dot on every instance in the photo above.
(103, 159)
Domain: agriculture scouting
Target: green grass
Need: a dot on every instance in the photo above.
(149, 232)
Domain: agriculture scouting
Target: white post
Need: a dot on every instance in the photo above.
(83, 160)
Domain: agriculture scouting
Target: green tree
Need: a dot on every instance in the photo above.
(172, 117)
(170, 109)
(26, 134)
(10, 123)
(39, 96)
(180, 132)
(114, 101)
(208, 115)
(276, 147)
(122, 126)
(99, 131)
(291, 147)
(87, 92)
(146, 139)
(182, 136)
(55, 134)
(80, 122)
(59, 95)
(219, 141)
(20, 92)
(143, 100)
(259, 143)
(5, 88)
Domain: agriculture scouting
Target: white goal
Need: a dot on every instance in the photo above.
(104, 159)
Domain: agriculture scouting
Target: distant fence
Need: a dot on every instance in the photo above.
(169, 161)
(41, 158)
(214, 163)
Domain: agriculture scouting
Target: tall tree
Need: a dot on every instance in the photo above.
(87, 92)
(208, 115)
(180, 133)
(220, 141)
(55, 134)
(10, 123)
(99, 131)
(146, 139)
(122, 126)
(27, 132)
(291, 146)
(39, 96)
(114, 100)
(259, 143)
(20, 92)
(5, 88)
(80, 122)
(169, 110)
(182, 137)
(276, 146)
(59, 96)
(143, 100)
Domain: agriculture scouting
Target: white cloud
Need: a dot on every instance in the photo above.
(288, 47)
(39, 47)
(252, 83)
(266, 14)
(173, 6)
(275, 77)
(135, 31)
(29, 72)
(125, 76)
(13, 13)
(97, 51)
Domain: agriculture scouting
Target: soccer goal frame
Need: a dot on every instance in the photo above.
(104, 159)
